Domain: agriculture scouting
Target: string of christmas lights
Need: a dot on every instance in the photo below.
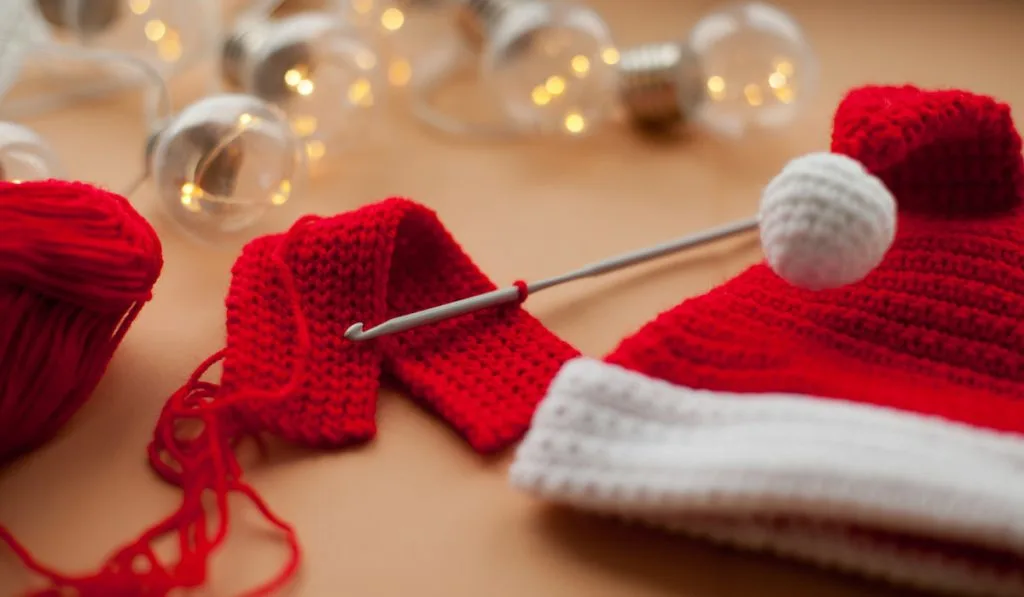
(295, 90)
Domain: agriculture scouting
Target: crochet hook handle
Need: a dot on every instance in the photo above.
(513, 293)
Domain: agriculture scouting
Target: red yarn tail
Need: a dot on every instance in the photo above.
(203, 464)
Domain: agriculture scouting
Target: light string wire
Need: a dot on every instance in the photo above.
(157, 101)
(15, 38)
(28, 149)
(158, 110)
(260, 9)
(157, 105)
(426, 112)
(44, 103)
(39, 104)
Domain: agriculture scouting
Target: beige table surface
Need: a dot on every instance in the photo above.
(417, 512)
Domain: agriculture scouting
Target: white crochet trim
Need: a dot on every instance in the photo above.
(714, 464)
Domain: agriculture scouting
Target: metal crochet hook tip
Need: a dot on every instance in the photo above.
(510, 294)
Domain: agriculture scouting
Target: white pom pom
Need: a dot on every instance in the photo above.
(826, 221)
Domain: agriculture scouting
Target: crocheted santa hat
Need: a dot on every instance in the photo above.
(876, 427)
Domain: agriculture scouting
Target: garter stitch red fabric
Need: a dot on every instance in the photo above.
(288, 371)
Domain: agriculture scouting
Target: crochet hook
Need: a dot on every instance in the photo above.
(512, 294)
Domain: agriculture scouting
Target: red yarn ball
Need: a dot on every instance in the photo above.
(77, 263)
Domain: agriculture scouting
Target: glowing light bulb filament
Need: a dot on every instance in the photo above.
(716, 87)
(292, 77)
(360, 93)
(610, 56)
(779, 81)
(283, 193)
(540, 96)
(169, 47)
(362, 6)
(155, 30)
(399, 73)
(298, 80)
(580, 65)
(304, 125)
(753, 94)
(555, 85)
(315, 149)
(575, 123)
(191, 196)
(139, 7)
(392, 19)
(784, 67)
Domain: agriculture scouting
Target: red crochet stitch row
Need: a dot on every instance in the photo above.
(484, 373)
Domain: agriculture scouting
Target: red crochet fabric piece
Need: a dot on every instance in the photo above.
(288, 371)
(484, 373)
(935, 329)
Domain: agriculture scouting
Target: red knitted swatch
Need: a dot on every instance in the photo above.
(936, 328)
(483, 373)
(288, 371)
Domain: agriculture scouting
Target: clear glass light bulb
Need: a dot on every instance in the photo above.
(322, 74)
(552, 67)
(24, 155)
(758, 67)
(223, 162)
(413, 37)
(168, 34)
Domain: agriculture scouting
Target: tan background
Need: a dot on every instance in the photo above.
(417, 512)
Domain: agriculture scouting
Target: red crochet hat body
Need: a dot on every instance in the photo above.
(877, 427)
